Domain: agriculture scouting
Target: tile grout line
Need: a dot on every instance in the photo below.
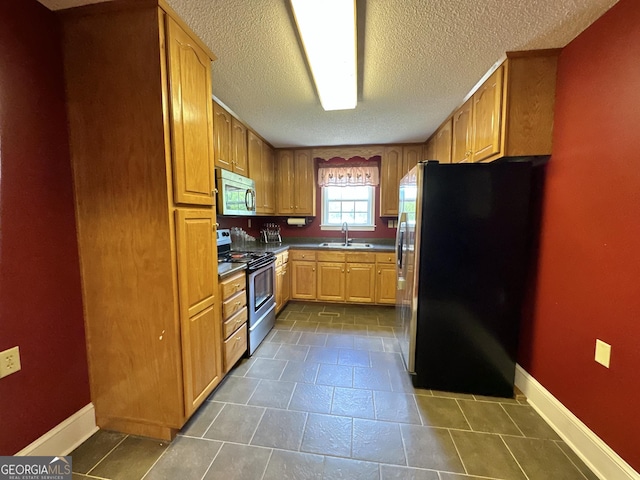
(556, 442)
(457, 400)
(264, 411)
(514, 422)
(107, 454)
(466, 470)
(266, 465)
(212, 460)
(514, 457)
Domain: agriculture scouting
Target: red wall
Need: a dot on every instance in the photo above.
(40, 299)
(313, 228)
(588, 272)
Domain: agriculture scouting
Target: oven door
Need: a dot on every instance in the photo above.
(262, 304)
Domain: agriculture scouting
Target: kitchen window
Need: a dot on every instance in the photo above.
(348, 195)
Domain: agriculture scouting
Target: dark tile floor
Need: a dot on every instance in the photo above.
(326, 396)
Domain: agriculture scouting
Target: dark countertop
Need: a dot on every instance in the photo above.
(377, 245)
(227, 269)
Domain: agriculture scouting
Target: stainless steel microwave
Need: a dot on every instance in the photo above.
(236, 194)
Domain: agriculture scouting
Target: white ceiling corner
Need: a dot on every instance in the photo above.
(420, 60)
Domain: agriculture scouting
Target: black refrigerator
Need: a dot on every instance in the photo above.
(462, 261)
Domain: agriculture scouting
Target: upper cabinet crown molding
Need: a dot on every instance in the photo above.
(364, 151)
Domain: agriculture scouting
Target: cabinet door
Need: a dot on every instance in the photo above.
(254, 155)
(191, 118)
(430, 149)
(304, 188)
(386, 284)
(361, 282)
(222, 137)
(330, 281)
(268, 174)
(239, 146)
(391, 167)
(411, 155)
(279, 289)
(487, 108)
(442, 142)
(284, 183)
(303, 280)
(199, 309)
(461, 142)
(286, 284)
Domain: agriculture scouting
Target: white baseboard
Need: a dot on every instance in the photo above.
(64, 437)
(596, 454)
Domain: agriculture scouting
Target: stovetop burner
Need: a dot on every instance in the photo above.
(254, 260)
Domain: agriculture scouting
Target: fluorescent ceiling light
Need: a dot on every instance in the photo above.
(328, 32)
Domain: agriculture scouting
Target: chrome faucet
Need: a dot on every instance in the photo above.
(345, 230)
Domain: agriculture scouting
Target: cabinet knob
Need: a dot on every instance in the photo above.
(379, 272)
(348, 270)
(237, 285)
(238, 303)
(238, 339)
(313, 269)
(343, 270)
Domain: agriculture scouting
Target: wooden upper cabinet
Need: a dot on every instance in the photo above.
(284, 183)
(295, 183)
(200, 324)
(442, 142)
(487, 110)
(304, 187)
(411, 155)
(268, 179)
(390, 175)
(261, 169)
(396, 162)
(511, 113)
(239, 147)
(430, 149)
(222, 137)
(462, 128)
(191, 118)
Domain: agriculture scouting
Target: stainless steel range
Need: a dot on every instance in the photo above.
(261, 280)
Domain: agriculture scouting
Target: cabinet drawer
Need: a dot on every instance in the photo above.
(280, 259)
(302, 255)
(330, 256)
(234, 347)
(386, 257)
(285, 256)
(361, 257)
(233, 285)
(234, 322)
(233, 304)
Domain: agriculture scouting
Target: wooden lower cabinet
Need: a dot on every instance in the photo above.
(385, 278)
(342, 276)
(303, 280)
(361, 282)
(234, 319)
(283, 292)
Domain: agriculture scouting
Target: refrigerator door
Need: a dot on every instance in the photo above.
(406, 305)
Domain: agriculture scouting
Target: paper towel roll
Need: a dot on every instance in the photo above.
(297, 221)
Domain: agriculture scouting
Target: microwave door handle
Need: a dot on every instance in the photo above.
(247, 199)
(253, 200)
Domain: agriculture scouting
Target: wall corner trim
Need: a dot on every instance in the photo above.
(593, 451)
(66, 436)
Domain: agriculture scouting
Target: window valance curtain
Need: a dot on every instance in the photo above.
(348, 175)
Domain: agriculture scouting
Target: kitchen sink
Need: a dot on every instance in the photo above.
(342, 245)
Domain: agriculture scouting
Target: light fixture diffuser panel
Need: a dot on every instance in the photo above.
(328, 32)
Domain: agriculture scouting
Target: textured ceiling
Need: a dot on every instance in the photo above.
(420, 58)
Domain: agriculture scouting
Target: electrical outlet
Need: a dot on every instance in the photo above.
(603, 353)
(9, 362)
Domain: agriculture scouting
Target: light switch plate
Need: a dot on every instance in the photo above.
(603, 353)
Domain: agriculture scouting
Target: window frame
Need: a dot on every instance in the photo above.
(370, 227)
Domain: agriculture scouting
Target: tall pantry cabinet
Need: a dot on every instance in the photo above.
(140, 125)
